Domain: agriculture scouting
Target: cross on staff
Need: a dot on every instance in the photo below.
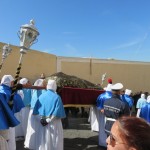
(6, 51)
(28, 36)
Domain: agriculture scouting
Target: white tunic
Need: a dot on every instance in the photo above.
(94, 119)
(50, 137)
(40, 137)
(32, 131)
(3, 144)
(5, 134)
(19, 129)
(12, 141)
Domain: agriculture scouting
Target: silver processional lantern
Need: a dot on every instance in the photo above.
(28, 36)
(6, 51)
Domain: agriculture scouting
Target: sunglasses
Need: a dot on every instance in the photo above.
(113, 140)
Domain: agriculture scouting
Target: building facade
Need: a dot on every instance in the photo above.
(133, 74)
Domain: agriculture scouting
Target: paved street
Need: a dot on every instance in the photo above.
(78, 136)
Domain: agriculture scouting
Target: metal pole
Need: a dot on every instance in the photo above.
(1, 65)
(14, 88)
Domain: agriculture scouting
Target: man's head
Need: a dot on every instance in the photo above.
(143, 96)
(42, 76)
(116, 88)
(25, 81)
(128, 92)
(7, 80)
(51, 85)
(148, 99)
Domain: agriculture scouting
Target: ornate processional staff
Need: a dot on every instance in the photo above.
(28, 36)
(103, 78)
(6, 51)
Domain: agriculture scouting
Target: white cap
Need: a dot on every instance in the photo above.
(117, 86)
(148, 99)
(143, 96)
(51, 85)
(39, 82)
(7, 79)
(23, 81)
(128, 92)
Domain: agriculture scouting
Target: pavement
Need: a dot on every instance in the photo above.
(77, 136)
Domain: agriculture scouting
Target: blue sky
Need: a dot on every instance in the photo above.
(118, 29)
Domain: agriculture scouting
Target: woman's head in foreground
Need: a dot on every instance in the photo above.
(129, 133)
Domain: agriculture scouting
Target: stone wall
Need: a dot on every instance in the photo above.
(134, 75)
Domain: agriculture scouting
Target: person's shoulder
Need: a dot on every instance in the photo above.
(109, 100)
(139, 100)
(57, 95)
(102, 95)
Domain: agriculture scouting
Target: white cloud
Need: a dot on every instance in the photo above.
(142, 42)
(125, 45)
(71, 48)
(49, 50)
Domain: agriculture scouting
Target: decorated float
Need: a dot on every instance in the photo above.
(76, 92)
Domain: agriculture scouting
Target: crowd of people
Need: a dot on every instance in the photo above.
(114, 115)
(35, 115)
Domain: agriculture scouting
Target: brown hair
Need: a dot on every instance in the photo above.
(135, 131)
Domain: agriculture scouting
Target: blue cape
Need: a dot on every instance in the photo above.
(17, 100)
(6, 90)
(27, 97)
(101, 98)
(35, 96)
(127, 99)
(7, 118)
(18, 103)
(49, 104)
(145, 112)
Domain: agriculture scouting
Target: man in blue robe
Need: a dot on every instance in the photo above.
(141, 101)
(128, 99)
(6, 114)
(100, 106)
(5, 89)
(145, 110)
(49, 109)
(26, 92)
(33, 123)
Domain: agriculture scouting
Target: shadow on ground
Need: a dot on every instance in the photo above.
(77, 136)
(82, 144)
